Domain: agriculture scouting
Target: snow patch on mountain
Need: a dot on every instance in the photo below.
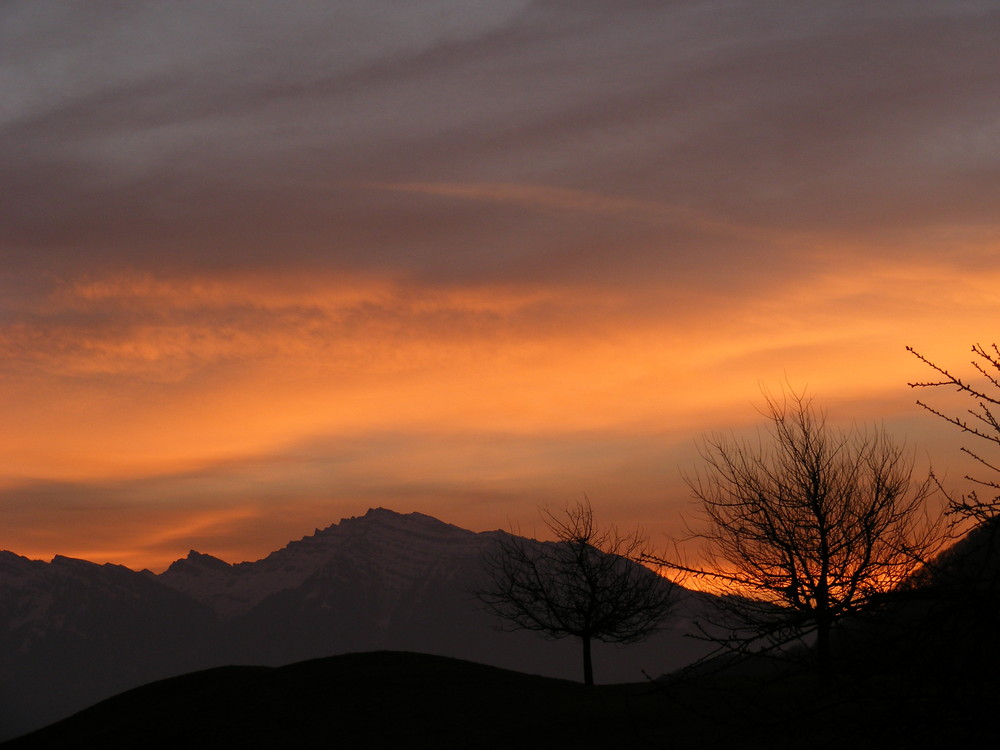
(398, 551)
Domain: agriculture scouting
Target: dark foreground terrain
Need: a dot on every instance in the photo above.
(917, 668)
(406, 700)
(375, 699)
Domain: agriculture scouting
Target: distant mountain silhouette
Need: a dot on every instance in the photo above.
(73, 632)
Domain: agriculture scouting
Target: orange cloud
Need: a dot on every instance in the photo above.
(180, 384)
(131, 376)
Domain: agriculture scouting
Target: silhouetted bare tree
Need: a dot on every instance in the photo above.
(587, 584)
(807, 524)
(983, 422)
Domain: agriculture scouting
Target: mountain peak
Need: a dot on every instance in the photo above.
(394, 518)
(373, 518)
(384, 515)
(75, 562)
(197, 561)
(381, 512)
(194, 556)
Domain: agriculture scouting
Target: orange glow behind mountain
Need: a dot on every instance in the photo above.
(262, 269)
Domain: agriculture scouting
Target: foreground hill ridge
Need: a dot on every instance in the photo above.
(298, 704)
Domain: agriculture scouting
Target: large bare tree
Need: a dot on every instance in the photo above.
(806, 524)
(587, 584)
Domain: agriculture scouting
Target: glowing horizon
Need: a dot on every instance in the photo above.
(455, 261)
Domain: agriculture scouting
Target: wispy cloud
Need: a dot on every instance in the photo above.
(546, 198)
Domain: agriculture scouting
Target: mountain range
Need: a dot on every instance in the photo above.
(74, 632)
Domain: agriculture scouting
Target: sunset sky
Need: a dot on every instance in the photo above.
(264, 265)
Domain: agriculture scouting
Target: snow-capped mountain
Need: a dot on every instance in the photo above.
(396, 551)
(73, 632)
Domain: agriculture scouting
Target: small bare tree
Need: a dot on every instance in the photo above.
(587, 585)
(982, 422)
(807, 524)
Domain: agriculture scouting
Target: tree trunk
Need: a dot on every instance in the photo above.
(588, 666)
(824, 656)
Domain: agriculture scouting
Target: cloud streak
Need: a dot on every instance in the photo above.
(545, 198)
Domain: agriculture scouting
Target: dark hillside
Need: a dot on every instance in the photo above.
(396, 699)
(942, 626)
(375, 699)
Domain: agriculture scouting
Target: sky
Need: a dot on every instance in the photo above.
(264, 265)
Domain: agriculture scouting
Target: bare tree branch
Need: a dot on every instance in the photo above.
(985, 425)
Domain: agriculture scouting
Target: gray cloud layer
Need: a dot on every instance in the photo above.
(222, 133)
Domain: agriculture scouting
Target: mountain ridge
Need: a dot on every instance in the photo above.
(234, 589)
(73, 632)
